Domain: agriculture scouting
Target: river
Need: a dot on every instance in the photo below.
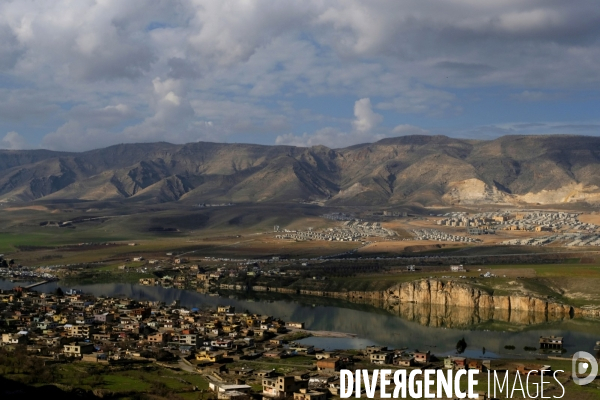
(371, 325)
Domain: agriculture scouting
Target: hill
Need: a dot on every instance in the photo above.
(415, 170)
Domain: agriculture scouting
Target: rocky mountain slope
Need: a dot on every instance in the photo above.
(417, 170)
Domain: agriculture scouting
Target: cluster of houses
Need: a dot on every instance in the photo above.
(218, 343)
(338, 216)
(74, 326)
(350, 231)
(194, 277)
(433, 234)
(517, 221)
(401, 358)
(25, 274)
(486, 220)
(577, 239)
(547, 221)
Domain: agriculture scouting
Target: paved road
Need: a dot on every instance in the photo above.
(186, 366)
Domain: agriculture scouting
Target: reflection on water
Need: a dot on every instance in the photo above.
(409, 325)
(329, 343)
(439, 316)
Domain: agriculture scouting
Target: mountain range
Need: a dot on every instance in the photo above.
(407, 170)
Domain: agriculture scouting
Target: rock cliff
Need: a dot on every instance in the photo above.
(445, 294)
(434, 302)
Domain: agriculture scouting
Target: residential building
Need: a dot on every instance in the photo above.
(329, 365)
(78, 349)
(381, 357)
(551, 342)
(306, 394)
(422, 357)
(283, 386)
(209, 356)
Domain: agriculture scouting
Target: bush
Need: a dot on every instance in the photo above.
(461, 346)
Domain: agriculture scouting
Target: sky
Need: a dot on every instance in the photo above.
(82, 74)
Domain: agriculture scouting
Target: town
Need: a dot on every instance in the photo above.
(240, 355)
(518, 221)
(350, 231)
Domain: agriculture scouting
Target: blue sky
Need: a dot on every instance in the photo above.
(77, 75)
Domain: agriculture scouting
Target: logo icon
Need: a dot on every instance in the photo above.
(584, 363)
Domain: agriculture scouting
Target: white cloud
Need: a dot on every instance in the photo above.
(404, 130)
(366, 119)
(13, 141)
(365, 130)
(75, 136)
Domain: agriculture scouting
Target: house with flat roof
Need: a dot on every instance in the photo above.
(551, 342)
(282, 386)
(382, 357)
(78, 349)
(329, 364)
(307, 394)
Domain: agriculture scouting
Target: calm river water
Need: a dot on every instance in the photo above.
(370, 324)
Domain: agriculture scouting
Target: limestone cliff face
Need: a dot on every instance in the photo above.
(433, 302)
(446, 294)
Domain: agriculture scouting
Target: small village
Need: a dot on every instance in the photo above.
(565, 239)
(241, 355)
(350, 231)
(433, 234)
(518, 221)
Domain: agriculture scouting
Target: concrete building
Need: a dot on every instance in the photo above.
(283, 386)
(78, 349)
(306, 394)
(422, 357)
(381, 358)
(329, 365)
(551, 342)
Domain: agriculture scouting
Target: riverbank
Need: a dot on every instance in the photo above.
(324, 334)
(412, 327)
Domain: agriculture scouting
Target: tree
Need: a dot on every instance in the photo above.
(461, 346)
(483, 350)
(59, 292)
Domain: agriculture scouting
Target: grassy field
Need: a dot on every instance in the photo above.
(150, 379)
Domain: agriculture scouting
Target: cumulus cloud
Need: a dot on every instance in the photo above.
(365, 130)
(13, 141)
(366, 119)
